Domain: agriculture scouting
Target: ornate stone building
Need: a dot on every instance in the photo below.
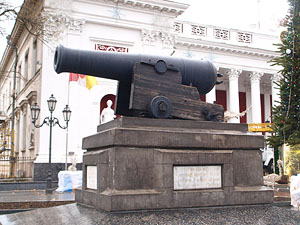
(133, 26)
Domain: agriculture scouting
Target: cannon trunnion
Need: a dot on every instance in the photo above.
(149, 86)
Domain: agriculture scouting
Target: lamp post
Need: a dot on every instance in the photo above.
(51, 122)
(12, 153)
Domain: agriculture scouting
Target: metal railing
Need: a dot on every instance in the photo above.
(11, 165)
(23, 167)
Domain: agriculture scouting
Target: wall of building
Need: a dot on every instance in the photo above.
(133, 27)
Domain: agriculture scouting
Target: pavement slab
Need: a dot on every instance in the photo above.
(78, 214)
(28, 199)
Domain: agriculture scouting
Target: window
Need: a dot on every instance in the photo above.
(34, 58)
(17, 134)
(10, 93)
(24, 132)
(18, 79)
(25, 75)
(3, 102)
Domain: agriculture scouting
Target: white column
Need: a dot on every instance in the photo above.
(275, 91)
(234, 105)
(255, 96)
(267, 108)
(248, 101)
(211, 96)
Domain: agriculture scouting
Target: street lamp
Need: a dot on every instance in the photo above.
(51, 122)
(12, 153)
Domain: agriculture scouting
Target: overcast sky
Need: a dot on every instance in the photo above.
(241, 14)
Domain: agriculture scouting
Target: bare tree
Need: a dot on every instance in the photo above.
(45, 24)
(7, 12)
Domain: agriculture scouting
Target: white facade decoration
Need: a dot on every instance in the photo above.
(255, 78)
(146, 27)
(233, 77)
(244, 37)
(198, 30)
(221, 34)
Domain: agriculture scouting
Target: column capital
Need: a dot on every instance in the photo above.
(233, 74)
(149, 36)
(275, 77)
(256, 76)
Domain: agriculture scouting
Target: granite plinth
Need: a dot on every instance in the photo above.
(133, 160)
(76, 214)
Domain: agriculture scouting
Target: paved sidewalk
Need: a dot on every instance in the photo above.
(29, 199)
(23, 200)
(72, 214)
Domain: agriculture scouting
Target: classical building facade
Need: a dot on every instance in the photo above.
(133, 26)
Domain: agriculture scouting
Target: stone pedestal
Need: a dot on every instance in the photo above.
(139, 163)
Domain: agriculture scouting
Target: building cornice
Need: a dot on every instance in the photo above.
(164, 6)
(226, 48)
(15, 35)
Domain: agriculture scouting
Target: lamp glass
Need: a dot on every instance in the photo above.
(35, 111)
(67, 113)
(51, 103)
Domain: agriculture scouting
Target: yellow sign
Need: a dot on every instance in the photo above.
(260, 127)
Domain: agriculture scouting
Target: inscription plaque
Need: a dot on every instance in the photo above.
(91, 177)
(197, 177)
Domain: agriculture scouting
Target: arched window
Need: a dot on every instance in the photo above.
(103, 104)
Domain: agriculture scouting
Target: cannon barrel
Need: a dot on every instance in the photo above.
(119, 66)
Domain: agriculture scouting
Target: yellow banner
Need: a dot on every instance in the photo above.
(260, 127)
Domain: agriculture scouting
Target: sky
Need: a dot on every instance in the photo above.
(240, 14)
(249, 15)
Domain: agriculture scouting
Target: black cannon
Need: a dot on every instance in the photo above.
(150, 86)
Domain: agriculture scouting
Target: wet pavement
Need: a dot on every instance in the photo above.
(30, 199)
(67, 212)
(77, 214)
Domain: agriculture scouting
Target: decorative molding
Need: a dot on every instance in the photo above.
(244, 37)
(17, 112)
(23, 104)
(255, 76)
(59, 22)
(167, 38)
(233, 74)
(221, 34)
(111, 41)
(198, 30)
(155, 5)
(233, 49)
(178, 27)
(32, 96)
(74, 25)
(149, 36)
(275, 77)
(110, 48)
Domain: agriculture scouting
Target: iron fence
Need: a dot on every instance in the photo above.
(23, 167)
